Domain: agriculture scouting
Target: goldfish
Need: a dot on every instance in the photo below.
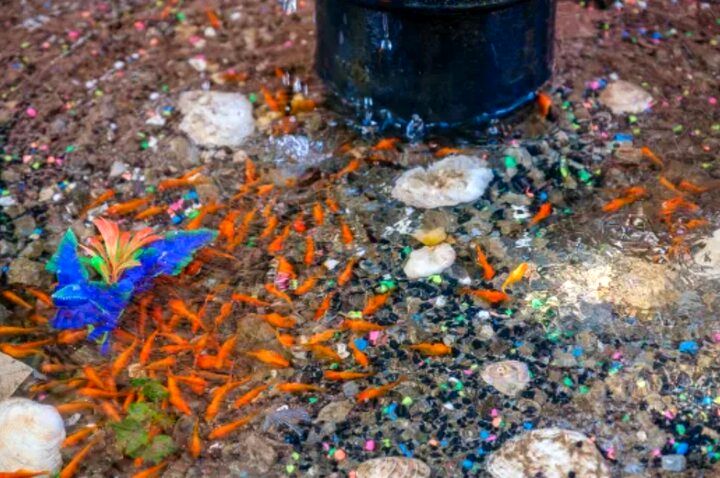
(242, 231)
(543, 213)
(101, 199)
(16, 299)
(246, 299)
(488, 271)
(493, 297)
(251, 175)
(695, 223)
(195, 444)
(176, 398)
(345, 233)
(431, 349)
(375, 303)
(95, 393)
(322, 337)
(352, 166)
(248, 397)
(358, 355)
(196, 222)
(6, 330)
(270, 100)
(219, 396)
(162, 364)
(79, 436)
(309, 251)
(516, 275)
(269, 357)
(277, 244)
(226, 228)
(278, 293)
(693, 188)
(296, 387)
(225, 350)
(40, 295)
(446, 151)
(666, 183)
(544, 104)
(191, 178)
(127, 207)
(306, 286)
(285, 267)
(74, 407)
(19, 352)
(152, 211)
(122, 360)
(332, 205)
(299, 104)
(342, 376)
(298, 224)
(386, 144)
(618, 203)
(213, 18)
(265, 189)
(270, 226)
(21, 474)
(647, 153)
(151, 472)
(361, 326)
(324, 306)
(74, 464)
(279, 321)
(196, 384)
(179, 307)
(347, 272)
(377, 392)
(671, 206)
(323, 352)
(318, 214)
(110, 410)
(93, 377)
(56, 367)
(285, 340)
(225, 430)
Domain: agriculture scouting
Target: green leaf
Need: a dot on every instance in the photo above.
(152, 390)
(161, 447)
(141, 412)
(131, 436)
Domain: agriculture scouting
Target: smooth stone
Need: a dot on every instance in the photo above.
(429, 261)
(216, 119)
(708, 257)
(393, 467)
(509, 377)
(623, 97)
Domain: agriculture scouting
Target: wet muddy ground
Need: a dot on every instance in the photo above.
(616, 319)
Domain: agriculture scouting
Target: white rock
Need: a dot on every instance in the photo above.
(31, 435)
(118, 168)
(12, 374)
(709, 256)
(454, 180)
(215, 119)
(623, 97)
(550, 453)
(428, 261)
(393, 467)
(508, 376)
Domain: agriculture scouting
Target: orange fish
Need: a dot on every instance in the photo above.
(346, 234)
(219, 396)
(196, 222)
(375, 303)
(619, 203)
(270, 226)
(265, 189)
(278, 293)
(493, 297)
(19, 352)
(309, 251)
(95, 393)
(213, 19)
(251, 175)
(74, 407)
(110, 410)
(431, 349)
(56, 367)
(152, 211)
(225, 430)
(544, 104)
(446, 151)
(8, 330)
(671, 206)
(225, 311)
(692, 187)
(322, 337)
(666, 183)
(246, 299)
(176, 398)
(72, 467)
(295, 387)
(332, 205)
(298, 224)
(324, 306)
(250, 396)
(347, 273)
(481, 259)
(386, 144)
(361, 326)
(377, 392)
(195, 444)
(241, 233)
(352, 166)
(21, 474)
(270, 357)
(285, 340)
(16, 299)
(78, 436)
(151, 472)
(270, 100)
(179, 307)
(285, 267)
(647, 153)
(225, 350)
(102, 198)
(696, 223)
(93, 377)
(318, 214)
(162, 364)
(543, 213)
(123, 359)
(226, 228)
(40, 295)
(277, 244)
(342, 376)
(358, 355)
(196, 384)
(306, 286)
(128, 206)
(516, 275)
(279, 321)
(322, 352)
(146, 349)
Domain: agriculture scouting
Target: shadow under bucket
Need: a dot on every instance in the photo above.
(447, 62)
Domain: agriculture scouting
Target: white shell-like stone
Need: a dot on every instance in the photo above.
(393, 467)
(550, 453)
(31, 435)
(216, 119)
(509, 376)
(428, 261)
(623, 97)
(454, 180)
(709, 256)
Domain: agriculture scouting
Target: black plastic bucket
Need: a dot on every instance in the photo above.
(447, 62)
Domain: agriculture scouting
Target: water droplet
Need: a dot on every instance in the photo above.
(385, 43)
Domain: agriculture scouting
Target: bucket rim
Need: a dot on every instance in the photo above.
(435, 6)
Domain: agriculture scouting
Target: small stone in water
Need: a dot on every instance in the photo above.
(429, 261)
(509, 376)
(674, 463)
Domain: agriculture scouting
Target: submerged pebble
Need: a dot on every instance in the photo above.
(509, 376)
(393, 467)
(429, 261)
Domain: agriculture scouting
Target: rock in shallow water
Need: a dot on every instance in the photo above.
(550, 453)
(623, 97)
(428, 261)
(709, 256)
(452, 181)
(215, 119)
(393, 467)
(509, 376)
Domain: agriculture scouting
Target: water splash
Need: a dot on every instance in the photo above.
(415, 128)
(385, 43)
